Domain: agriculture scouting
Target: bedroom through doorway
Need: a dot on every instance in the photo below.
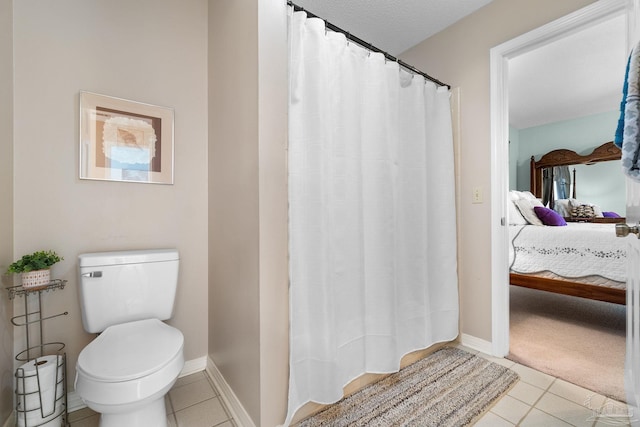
(565, 335)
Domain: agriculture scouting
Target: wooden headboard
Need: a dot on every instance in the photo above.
(562, 157)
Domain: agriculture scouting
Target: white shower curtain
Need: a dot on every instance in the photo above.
(372, 214)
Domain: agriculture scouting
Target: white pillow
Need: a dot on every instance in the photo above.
(598, 211)
(527, 195)
(517, 195)
(526, 209)
(514, 215)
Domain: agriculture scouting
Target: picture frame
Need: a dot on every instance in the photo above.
(124, 140)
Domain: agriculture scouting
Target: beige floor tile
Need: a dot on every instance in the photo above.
(204, 414)
(92, 421)
(190, 394)
(81, 413)
(537, 418)
(615, 406)
(533, 377)
(188, 379)
(167, 405)
(526, 392)
(499, 360)
(511, 409)
(608, 423)
(566, 410)
(577, 394)
(465, 348)
(492, 420)
(616, 413)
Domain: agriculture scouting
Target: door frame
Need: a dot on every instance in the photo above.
(595, 13)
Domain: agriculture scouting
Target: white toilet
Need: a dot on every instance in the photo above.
(126, 371)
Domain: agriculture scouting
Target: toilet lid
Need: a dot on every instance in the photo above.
(130, 350)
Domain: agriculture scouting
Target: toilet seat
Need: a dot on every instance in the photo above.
(131, 350)
(130, 362)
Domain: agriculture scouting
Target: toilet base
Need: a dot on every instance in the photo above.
(152, 414)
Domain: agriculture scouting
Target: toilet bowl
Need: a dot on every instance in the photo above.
(126, 371)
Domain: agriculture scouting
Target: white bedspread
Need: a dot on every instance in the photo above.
(577, 250)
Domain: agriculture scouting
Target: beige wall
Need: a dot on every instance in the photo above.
(248, 300)
(274, 216)
(154, 51)
(6, 205)
(459, 55)
(234, 313)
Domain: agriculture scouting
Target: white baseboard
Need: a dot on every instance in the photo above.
(75, 403)
(476, 343)
(238, 413)
(193, 366)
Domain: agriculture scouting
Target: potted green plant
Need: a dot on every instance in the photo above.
(35, 268)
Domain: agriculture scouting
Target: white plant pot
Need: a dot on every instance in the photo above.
(34, 279)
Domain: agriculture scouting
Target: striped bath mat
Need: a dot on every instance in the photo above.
(450, 387)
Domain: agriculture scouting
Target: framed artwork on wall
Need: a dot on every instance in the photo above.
(122, 140)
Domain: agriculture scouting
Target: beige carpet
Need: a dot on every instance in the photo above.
(579, 340)
(447, 388)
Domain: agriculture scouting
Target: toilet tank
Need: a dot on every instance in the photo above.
(119, 287)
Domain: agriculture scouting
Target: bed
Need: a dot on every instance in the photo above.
(583, 258)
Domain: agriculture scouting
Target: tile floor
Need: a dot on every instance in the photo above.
(192, 402)
(541, 400)
(536, 400)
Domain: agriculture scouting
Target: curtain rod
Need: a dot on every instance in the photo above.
(367, 45)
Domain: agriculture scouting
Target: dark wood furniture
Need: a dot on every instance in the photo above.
(596, 220)
(562, 157)
(583, 290)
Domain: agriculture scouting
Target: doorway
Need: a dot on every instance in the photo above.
(499, 60)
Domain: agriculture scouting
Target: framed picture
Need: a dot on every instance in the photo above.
(122, 140)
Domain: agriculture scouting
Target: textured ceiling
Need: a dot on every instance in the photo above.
(392, 25)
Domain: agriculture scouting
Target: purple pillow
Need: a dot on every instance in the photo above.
(610, 215)
(549, 217)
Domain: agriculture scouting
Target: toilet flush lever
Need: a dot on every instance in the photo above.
(93, 274)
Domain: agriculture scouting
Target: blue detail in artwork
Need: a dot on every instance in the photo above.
(130, 158)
